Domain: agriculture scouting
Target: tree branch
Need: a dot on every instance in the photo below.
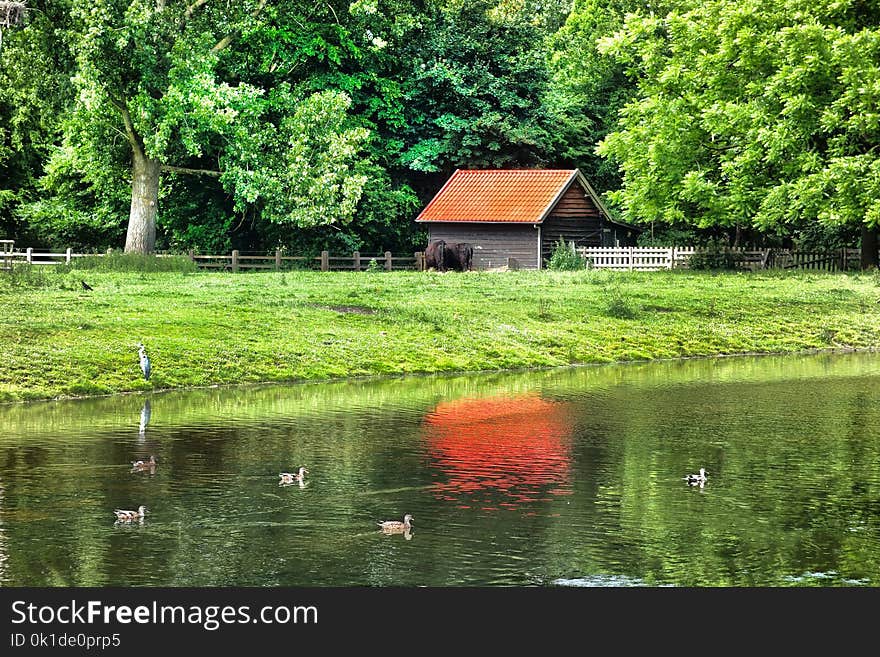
(189, 10)
(130, 133)
(225, 41)
(195, 172)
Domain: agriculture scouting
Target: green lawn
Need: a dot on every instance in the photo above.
(221, 328)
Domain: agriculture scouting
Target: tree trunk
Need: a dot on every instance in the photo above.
(869, 248)
(141, 236)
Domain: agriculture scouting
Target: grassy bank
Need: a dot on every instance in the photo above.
(57, 339)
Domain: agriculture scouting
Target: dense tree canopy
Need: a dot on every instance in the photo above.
(196, 124)
(749, 113)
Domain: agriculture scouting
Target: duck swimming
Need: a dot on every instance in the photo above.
(287, 478)
(123, 515)
(137, 466)
(696, 479)
(395, 526)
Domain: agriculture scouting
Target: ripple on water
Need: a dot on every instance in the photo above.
(601, 581)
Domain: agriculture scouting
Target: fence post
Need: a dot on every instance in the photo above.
(235, 260)
(325, 261)
(192, 255)
(356, 256)
(388, 261)
(630, 258)
(30, 255)
(67, 255)
(277, 259)
(420, 260)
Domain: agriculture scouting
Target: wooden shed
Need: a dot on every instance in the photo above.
(516, 216)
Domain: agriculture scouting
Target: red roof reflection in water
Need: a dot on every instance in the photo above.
(501, 450)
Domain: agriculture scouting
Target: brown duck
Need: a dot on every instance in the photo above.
(139, 466)
(123, 515)
(395, 526)
(287, 478)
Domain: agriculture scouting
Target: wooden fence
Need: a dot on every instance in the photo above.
(644, 258)
(236, 261)
(627, 258)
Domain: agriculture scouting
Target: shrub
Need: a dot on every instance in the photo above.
(715, 256)
(619, 306)
(22, 274)
(117, 261)
(566, 258)
(374, 266)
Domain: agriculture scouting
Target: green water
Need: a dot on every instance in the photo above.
(565, 477)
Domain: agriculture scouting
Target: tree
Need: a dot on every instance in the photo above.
(587, 89)
(472, 86)
(35, 88)
(161, 89)
(751, 114)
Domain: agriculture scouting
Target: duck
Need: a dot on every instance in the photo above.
(123, 515)
(144, 465)
(397, 527)
(287, 478)
(694, 479)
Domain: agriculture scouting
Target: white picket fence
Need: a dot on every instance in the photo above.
(653, 258)
(637, 258)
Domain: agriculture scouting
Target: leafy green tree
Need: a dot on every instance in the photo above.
(473, 85)
(587, 89)
(163, 86)
(751, 114)
(35, 88)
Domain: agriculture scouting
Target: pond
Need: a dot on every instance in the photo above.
(567, 477)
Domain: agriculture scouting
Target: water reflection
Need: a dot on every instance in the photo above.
(145, 419)
(502, 451)
(554, 478)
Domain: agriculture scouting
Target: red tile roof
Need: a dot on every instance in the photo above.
(504, 195)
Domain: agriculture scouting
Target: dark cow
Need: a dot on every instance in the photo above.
(459, 256)
(435, 255)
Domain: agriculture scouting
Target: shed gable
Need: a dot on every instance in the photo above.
(575, 218)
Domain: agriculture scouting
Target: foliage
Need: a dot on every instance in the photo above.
(304, 170)
(669, 236)
(117, 261)
(24, 275)
(35, 89)
(473, 84)
(328, 125)
(749, 114)
(374, 267)
(187, 102)
(566, 258)
(312, 116)
(815, 236)
(196, 216)
(587, 89)
(715, 256)
(618, 305)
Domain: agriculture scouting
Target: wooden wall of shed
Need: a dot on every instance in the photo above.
(574, 218)
(493, 243)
